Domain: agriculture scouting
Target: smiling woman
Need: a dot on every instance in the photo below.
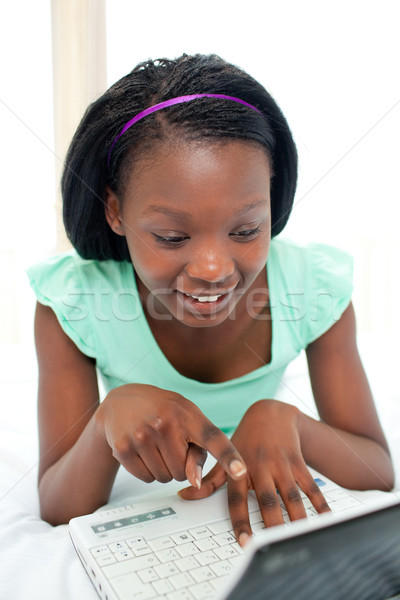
(179, 213)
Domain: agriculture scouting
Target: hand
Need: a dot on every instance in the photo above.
(158, 434)
(269, 441)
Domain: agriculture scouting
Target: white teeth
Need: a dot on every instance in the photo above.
(205, 298)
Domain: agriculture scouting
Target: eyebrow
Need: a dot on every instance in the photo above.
(170, 212)
(250, 207)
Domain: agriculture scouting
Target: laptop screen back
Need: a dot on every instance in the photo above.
(353, 560)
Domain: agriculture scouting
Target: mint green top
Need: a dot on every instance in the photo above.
(99, 308)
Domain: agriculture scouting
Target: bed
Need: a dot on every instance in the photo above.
(38, 561)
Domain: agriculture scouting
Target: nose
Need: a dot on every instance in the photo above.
(211, 264)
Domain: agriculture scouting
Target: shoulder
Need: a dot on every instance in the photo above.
(315, 284)
(71, 270)
(314, 264)
(316, 255)
(76, 290)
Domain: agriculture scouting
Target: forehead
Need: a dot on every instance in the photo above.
(192, 174)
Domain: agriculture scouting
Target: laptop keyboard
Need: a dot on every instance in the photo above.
(188, 565)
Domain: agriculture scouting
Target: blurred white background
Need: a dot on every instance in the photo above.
(333, 68)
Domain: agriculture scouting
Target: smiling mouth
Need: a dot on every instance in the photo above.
(206, 298)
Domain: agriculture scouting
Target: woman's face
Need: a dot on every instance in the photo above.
(196, 218)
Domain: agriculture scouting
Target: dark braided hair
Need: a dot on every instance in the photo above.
(86, 173)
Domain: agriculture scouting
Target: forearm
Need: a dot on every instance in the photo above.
(350, 460)
(81, 480)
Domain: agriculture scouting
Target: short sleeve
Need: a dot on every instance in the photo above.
(329, 290)
(59, 282)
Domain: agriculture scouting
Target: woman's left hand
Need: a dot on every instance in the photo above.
(268, 439)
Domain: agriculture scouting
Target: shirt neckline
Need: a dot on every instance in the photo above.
(254, 374)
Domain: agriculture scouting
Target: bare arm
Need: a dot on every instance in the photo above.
(348, 444)
(77, 469)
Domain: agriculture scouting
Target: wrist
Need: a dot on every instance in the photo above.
(309, 432)
(99, 436)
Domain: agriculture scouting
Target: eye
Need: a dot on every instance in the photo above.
(171, 241)
(246, 234)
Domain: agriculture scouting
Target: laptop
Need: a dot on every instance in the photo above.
(167, 548)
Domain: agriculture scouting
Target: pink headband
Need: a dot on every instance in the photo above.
(171, 102)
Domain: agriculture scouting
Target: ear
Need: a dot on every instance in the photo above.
(113, 212)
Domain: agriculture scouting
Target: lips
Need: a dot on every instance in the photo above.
(208, 295)
(204, 298)
(205, 302)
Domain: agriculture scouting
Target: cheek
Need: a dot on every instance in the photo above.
(151, 266)
(254, 257)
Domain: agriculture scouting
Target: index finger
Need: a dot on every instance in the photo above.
(212, 439)
(239, 510)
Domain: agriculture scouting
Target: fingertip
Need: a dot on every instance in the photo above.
(243, 539)
(180, 493)
(185, 492)
(190, 493)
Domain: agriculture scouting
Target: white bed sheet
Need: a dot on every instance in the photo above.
(38, 561)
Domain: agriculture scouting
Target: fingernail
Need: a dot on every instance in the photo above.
(199, 475)
(237, 468)
(244, 539)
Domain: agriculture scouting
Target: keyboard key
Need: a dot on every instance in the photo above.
(224, 538)
(202, 574)
(220, 526)
(200, 532)
(161, 543)
(130, 587)
(100, 551)
(183, 580)
(255, 517)
(337, 494)
(105, 559)
(182, 538)
(225, 552)
(167, 570)
(206, 544)
(344, 504)
(123, 554)
(187, 549)
(130, 565)
(148, 575)
(257, 527)
(235, 561)
(238, 548)
(142, 550)
(223, 567)
(116, 546)
(180, 595)
(206, 558)
(138, 546)
(202, 591)
(163, 586)
(219, 582)
(167, 555)
(319, 482)
(187, 563)
(137, 541)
